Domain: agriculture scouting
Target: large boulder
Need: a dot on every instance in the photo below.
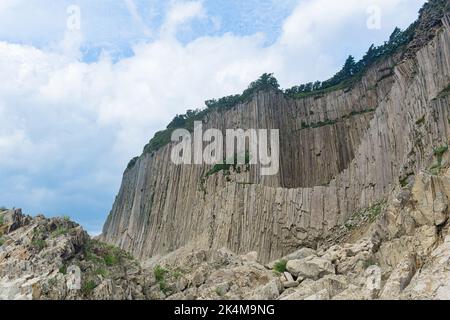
(312, 267)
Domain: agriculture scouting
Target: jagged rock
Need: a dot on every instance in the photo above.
(321, 295)
(399, 278)
(373, 274)
(432, 191)
(433, 280)
(250, 257)
(311, 267)
(288, 277)
(300, 254)
(290, 284)
(270, 291)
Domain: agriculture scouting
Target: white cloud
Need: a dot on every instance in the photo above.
(181, 13)
(132, 8)
(77, 124)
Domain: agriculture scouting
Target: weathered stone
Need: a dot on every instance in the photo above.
(300, 254)
(290, 284)
(312, 267)
(399, 278)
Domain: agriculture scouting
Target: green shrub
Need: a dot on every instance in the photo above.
(280, 266)
(102, 272)
(132, 163)
(226, 167)
(88, 287)
(63, 269)
(59, 232)
(38, 244)
(439, 152)
(177, 273)
(159, 273)
(160, 276)
(375, 211)
(2, 220)
(111, 259)
(2, 241)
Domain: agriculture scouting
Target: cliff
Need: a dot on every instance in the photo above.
(359, 209)
(340, 152)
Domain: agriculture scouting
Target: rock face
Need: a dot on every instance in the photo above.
(359, 210)
(37, 255)
(340, 152)
(403, 253)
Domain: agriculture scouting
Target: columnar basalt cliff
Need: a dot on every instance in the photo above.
(340, 152)
(360, 208)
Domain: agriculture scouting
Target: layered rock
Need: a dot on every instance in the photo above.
(340, 152)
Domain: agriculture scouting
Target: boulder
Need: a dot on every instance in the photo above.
(300, 254)
(310, 268)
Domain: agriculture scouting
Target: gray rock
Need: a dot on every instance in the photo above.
(312, 267)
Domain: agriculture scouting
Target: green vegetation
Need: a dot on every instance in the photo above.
(356, 113)
(438, 153)
(328, 122)
(102, 272)
(186, 121)
(219, 292)
(404, 181)
(38, 244)
(63, 269)
(370, 262)
(103, 254)
(2, 241)
(280, 266)
(225, 166)
(444, 92)
(266, 82)
(159, 273)
(88, 287)
(369, 214)
(2, 220)
(132, 163)
(160, 276)
(177, 273)
(421, 121)
(111, 259)
(375, 211)
(318, 124)
(66, 218)
(352, 71)
(59, 232)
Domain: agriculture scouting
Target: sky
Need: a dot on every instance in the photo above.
(85, 84)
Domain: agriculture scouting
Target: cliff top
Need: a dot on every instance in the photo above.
(401, 43)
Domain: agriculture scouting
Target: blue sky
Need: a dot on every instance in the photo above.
(77, 104)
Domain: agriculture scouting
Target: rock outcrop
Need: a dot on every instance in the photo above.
(341, 152)
(396, 250)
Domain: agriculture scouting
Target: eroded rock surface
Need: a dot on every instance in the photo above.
(341, 152)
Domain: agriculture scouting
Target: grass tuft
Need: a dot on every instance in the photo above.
(280, 266)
